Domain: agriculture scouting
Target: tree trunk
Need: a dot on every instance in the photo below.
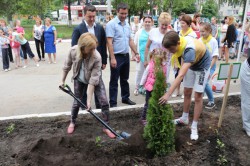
(170, 7)
(129, 16)
(9, 18)
(151, 7)
(244, 9)
(69, 14)
(141, 14)
(58, 15)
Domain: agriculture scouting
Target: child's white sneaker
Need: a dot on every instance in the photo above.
(194, 134)
(37, 65)
(181, 121)
(136, 92)
(6, 70)
(9, 69)
(24, 66)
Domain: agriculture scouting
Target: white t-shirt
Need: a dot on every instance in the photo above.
(239, 34)
(156, 38)
(213, 47)
(223, 34)
(38, 31)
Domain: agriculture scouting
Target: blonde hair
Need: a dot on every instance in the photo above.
(40, 21)
(164, 17)
(3, 20)
(86, 40)
(15, 23)
(230, 20)
(158, 54)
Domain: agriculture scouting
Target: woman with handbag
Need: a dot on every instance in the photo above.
(38, 30)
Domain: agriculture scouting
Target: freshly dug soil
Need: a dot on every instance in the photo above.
(45, 142)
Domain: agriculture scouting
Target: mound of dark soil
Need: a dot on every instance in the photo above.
(44, 141)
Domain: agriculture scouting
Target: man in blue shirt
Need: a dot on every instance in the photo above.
(119, 40)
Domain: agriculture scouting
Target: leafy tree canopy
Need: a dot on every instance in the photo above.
(210, 9)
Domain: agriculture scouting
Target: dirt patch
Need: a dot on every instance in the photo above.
(44, 141)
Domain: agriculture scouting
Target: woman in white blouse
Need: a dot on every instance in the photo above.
(38, 37)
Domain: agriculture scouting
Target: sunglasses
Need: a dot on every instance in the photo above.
(148, 16)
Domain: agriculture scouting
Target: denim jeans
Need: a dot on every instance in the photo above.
(208, 89)
(145, 108)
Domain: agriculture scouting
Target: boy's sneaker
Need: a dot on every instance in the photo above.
(194, 134)
(181, 121)
(37, 65)
(9, 69)
(24, 67)
(6, 70)
(210, 105)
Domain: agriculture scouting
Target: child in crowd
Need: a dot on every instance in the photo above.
(4, 45)
(194, 70)
(148, 78)
(25, 47)
(15, 48)
(186, 30)
(239, 36)
(212, 47)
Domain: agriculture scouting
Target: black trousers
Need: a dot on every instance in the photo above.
(5, 57)
(122, 72)
(10, 54)
(39, 44)
(27, 50)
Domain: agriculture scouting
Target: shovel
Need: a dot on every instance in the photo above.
(120, 136)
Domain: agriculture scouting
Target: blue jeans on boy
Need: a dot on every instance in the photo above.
(208, 89)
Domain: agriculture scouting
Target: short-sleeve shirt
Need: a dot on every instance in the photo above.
(18, 39)
(120, 34)
(38, 31)
(213, 47)
(214, 29)
(143, 38)
(53, 28)
(189, 56)
(156, 38)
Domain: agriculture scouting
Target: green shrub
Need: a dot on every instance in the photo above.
(160, 129)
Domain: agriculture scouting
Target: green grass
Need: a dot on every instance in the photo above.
(63, 31)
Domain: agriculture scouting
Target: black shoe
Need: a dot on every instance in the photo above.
(129, 102)
(111, 106)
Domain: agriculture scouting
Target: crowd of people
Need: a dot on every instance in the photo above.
(13, 42)
(190, 48)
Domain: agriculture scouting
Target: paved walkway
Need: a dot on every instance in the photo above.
(35, 90)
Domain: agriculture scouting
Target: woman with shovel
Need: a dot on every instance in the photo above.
(87, 63)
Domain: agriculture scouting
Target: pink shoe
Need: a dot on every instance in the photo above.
(109, 133)
(71, 128)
